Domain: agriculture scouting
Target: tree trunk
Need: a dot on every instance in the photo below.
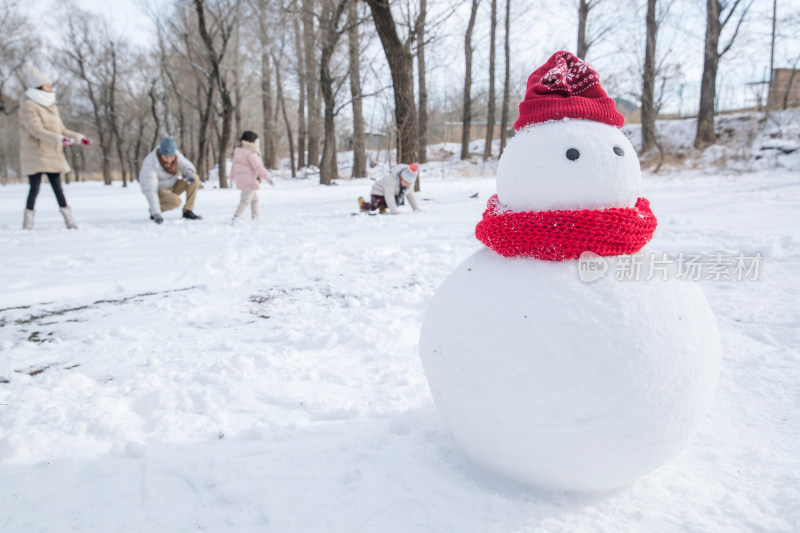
(649, 79)
(329, 34)
(268, 126)
(328, 169)
(237, 106)
(224, 141)
(282, 101)
(302, 132)
(583, 14)
(466, 111)
(506, 81)
(312, 83)
(487, 150)
(202, 132)
(401, 65)
(705, 135)
(122, 161)
(154, 112)
(215, 58)
(422, 85)
(354, 53)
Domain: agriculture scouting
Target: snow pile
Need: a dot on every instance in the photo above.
(265, 377)
(566, 385)
(748, 141)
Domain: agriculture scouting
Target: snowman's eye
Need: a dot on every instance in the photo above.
(618, 150)
(573, 154)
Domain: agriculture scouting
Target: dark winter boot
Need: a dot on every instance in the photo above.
(190, 215)
(27, 221)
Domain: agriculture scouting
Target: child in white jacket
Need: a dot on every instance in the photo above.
(246, 172)
(390, 191)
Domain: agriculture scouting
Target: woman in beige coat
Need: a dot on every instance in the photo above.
(42, 140)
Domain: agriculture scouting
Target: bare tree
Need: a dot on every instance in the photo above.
(401, 65)
(224, 23)
(487, 151)
(16, 46)
(506, 80)
(466, 105)
(332, 12)
(302, 131)
(269, 126)
(584, 6)
(311, 82)
(89, 54)
(718, 15)
(591, 31)
(354, 57)
(421, 82)
(282, 101)
(182, 52)
(648, 79)
(117, 121)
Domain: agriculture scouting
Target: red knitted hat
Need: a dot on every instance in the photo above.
(566, 87)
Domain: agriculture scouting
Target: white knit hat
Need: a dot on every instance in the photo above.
(409, 174)
(37, 79)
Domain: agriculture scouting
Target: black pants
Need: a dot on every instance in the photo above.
(55, 181)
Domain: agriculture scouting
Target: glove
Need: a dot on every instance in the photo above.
(157, 218)
(66, 141)
(86, 141)
(190, 178)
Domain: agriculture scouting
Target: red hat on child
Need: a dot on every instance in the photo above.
(566, 87)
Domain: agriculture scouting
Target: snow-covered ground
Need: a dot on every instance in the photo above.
(195, 376)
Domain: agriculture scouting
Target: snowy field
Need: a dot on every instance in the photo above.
(195, 376)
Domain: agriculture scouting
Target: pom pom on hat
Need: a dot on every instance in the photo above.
(167, 147)
(566, 87)
(409, 174)
(36, 79)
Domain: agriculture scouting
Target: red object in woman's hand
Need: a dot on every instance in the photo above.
(86, 141)
(66, 141)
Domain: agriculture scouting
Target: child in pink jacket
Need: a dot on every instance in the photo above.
(247, 171)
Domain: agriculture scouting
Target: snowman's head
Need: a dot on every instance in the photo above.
(568, 152)
(568, 164)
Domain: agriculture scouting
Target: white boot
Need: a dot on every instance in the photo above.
(27, 222)
(68, 220)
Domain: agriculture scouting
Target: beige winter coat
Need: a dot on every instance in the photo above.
(40, 139)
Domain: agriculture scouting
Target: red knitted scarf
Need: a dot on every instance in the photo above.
(560, 235)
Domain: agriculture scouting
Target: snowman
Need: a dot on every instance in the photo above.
(545, 378)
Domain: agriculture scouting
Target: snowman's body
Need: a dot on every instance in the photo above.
(558, 383)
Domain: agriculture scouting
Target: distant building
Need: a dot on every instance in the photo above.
(373, 141)
(785, 87)
(477, 130)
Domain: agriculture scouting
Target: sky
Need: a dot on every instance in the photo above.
(128, 17)
(541, 27)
